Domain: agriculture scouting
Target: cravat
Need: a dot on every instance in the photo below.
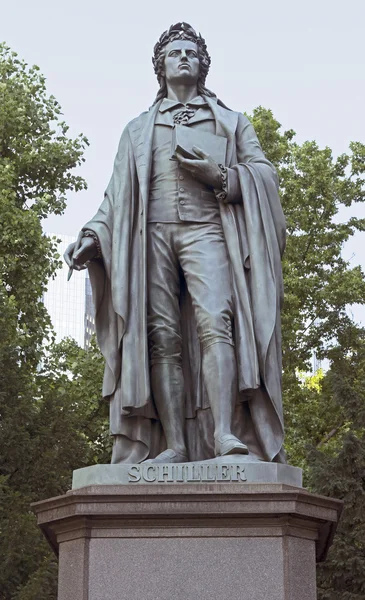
(183, 116)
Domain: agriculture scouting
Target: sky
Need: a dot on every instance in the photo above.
(303, 59)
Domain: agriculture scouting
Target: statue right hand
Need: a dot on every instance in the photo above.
(86, 251)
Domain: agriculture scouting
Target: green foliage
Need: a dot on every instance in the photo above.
(39, 440)
(319, 283)
(338, 469)
(77, 374)
(36, 163)
(52, 417)
(341, 475)
(324, 414)
(60, 429)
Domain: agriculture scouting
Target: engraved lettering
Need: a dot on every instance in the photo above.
(235, 472)
(238, 473)
(193, 472)
(242, 474)
(179, 472)
(189, 472)
(145, 473)
(196, 472)
(165, 471)
(207, 474)
(134, 474)
(223, 473)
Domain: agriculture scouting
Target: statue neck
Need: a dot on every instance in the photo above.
(182, 93)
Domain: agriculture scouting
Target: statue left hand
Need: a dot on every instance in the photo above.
(204, 169)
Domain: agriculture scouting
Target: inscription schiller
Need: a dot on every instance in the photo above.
(189, 472)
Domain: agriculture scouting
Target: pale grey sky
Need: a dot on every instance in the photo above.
(304, 59)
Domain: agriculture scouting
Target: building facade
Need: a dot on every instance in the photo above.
(69, 303)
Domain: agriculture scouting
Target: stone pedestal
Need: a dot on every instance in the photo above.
(234, 540)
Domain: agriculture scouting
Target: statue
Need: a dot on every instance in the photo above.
(184, 256)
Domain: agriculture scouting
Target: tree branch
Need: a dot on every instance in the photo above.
(327, 438)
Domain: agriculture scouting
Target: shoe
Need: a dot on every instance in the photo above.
(229, 444)
(168, 456)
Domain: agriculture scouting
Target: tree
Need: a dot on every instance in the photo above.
(325, 414)
(37, 160)
(321, 424)
(337, 468)
(319, 283)
(52, 419)
(62, 431)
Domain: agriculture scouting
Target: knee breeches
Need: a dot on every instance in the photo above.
(198, 252)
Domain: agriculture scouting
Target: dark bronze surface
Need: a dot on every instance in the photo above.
(188, 293)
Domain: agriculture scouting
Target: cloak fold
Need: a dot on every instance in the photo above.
(255, 237)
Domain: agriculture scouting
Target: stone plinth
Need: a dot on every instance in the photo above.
(188, 541)
(217, 470)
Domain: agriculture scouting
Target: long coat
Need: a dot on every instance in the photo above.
(255, 237)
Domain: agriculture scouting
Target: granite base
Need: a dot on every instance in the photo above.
(188, 541)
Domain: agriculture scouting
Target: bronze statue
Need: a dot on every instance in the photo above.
(184, 256)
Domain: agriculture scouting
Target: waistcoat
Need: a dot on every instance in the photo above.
(174, 195)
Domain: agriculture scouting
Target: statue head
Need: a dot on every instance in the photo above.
(181, 31)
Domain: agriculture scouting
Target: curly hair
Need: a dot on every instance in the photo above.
(181, 31)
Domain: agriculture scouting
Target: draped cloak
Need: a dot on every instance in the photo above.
(255, 236)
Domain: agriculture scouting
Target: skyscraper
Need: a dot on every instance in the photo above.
(89, 314)
(69, 303)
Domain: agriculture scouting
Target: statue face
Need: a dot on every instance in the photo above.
(182, 62)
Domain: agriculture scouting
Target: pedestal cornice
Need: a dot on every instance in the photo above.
(188, 510)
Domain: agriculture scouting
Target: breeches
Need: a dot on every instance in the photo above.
(198, 252)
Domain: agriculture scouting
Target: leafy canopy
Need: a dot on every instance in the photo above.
(52, 417)
(325, 413)
(38, 447)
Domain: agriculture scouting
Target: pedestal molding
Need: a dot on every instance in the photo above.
(184, 510)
